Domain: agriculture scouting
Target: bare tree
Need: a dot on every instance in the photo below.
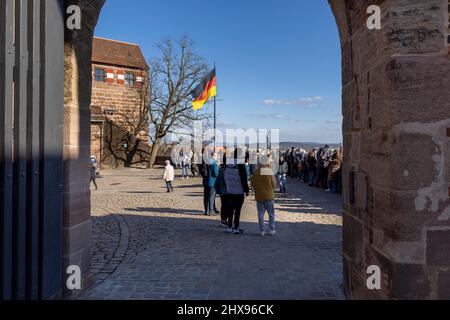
(172, 78)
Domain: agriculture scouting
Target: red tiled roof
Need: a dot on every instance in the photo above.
(112, 52)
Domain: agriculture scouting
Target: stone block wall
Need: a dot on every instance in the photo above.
(113, 155)
(77, 101)
(96, 140)
(122, 104)
(396, 163)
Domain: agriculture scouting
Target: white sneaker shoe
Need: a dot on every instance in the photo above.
(263, 233)
(273, 233)
(229, 230)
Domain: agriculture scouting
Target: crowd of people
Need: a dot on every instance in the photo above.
(320, 168)
(232, 179)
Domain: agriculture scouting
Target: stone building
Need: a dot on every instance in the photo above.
(117, 104)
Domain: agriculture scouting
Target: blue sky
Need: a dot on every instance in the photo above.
(278, 61)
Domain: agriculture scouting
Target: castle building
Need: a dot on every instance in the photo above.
(117, 108)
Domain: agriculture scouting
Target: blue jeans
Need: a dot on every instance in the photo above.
(210, 200)
(283, 181)
(263, 207)
(185, 171)
(169, 186)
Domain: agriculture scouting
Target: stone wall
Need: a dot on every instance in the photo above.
(121, 104)
(77, 101)
(114, 155)
(396, 114)
(126, 118)
(96, 140)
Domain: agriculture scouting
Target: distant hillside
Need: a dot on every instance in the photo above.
(306, 145)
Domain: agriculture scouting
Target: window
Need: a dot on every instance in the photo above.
(130, 79)
(99, 75)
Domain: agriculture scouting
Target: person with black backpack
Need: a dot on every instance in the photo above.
(220, 190)
(233, 186)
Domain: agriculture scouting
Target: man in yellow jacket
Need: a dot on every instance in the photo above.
(264, 184)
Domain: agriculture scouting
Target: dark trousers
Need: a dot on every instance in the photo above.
(295, 171)
(223, 210)
(312, 173)
(169, 186)
(322, 179)
(305, 175)
(209, 200)
(234, 205)
(93, 179)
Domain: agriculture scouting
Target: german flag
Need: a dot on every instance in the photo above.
(205, 90)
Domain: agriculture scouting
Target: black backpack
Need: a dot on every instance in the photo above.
(204, 170)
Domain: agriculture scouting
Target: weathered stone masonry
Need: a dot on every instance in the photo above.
(396, 140)
(77, 101)
(116, 105)
(396, 114)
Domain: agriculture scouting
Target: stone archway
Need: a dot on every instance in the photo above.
(396, 141)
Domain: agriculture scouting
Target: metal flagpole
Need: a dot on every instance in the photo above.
(215, 115)
(215, 122)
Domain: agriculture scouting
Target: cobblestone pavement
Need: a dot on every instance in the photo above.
(148, 244)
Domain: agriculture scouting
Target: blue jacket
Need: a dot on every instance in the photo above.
(213, 174)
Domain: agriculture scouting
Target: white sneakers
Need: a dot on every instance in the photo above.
(262, 233)
(272, 233)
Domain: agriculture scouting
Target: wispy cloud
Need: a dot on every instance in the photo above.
(272, 116)
(334, 121)
(310, 102)
(226, 124)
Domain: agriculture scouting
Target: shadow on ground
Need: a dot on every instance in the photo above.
(169, 257)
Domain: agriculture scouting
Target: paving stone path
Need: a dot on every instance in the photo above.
(148, 244)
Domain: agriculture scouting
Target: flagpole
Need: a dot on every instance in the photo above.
(215, 123)
(215, 117)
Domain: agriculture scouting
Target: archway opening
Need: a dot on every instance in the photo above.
(278, 69)
(393, 220)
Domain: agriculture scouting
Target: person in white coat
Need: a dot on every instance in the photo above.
(169, 176)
